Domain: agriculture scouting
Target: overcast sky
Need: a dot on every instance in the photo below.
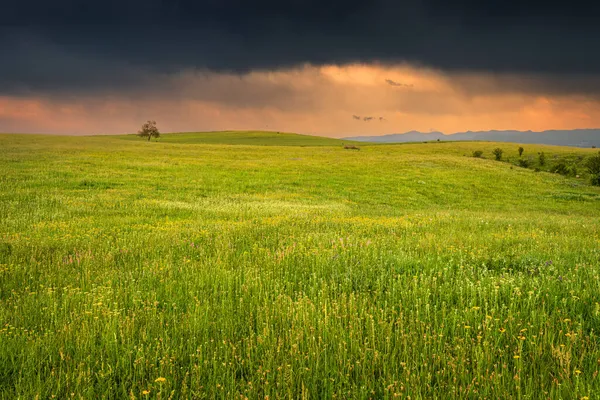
(332, 67)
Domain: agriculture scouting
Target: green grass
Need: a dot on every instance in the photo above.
(294, 272)
(258, 138)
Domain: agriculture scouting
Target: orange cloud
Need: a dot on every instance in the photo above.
(314, 100)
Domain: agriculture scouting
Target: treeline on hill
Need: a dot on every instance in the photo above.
(572, 165)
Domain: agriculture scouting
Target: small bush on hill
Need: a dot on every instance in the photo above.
(521, 150)
(477, 153)
(498, 153)
(524, 163)
(542, 158)
(351, 147)
(564, 169)
(593, 166)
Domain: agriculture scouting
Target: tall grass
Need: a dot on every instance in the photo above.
(155, 270)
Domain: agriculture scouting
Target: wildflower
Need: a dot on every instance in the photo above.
(502, 330)
(160, 380)
(577, 372)
(145, 392)
(467, 327)
(516, 357)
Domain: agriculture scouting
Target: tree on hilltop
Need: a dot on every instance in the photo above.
(149, 130)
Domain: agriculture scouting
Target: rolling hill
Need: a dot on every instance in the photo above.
(186, 269)
(259, 138)
(576, 138)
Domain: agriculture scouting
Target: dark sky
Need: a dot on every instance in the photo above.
(72, 46)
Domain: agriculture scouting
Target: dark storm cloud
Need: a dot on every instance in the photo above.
(69, 45)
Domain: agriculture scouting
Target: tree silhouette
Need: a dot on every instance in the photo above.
(149, 130)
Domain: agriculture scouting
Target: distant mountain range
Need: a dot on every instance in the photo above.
(575, 137)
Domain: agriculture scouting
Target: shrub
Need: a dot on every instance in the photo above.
(524, 163)
(542, 158)
(350, 147)
(593, 166)
(564, 169)
(521, 150)
(498, 153)
(477, 153)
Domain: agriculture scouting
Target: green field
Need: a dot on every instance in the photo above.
(184, 268)
(258, 138)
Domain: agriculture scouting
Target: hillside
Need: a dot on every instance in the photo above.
(172, 268)
(575, 137)
(258, 138)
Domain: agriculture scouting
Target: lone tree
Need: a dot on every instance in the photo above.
(521, 150)
(498, 153)
(149, 130)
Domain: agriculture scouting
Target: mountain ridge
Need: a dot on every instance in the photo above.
(572, 137)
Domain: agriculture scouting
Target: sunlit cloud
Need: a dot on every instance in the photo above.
(328, 100)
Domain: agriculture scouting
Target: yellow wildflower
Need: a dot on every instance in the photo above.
(160, 380)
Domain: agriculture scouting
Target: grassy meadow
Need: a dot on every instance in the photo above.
(202, 266)
(254, 138)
